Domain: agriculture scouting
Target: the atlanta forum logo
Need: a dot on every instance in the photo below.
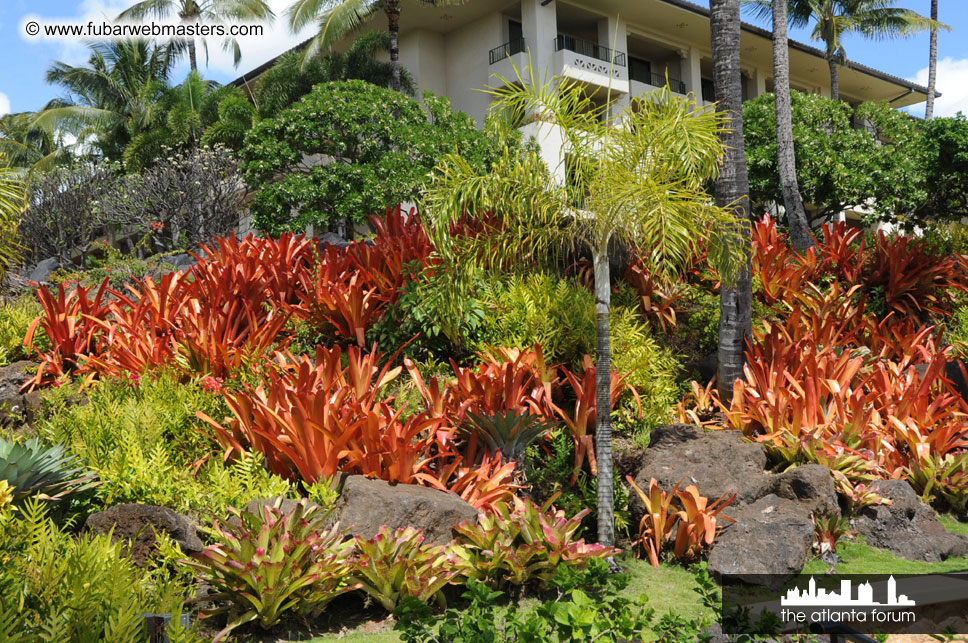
(817, 604)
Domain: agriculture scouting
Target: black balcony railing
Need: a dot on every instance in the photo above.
(590, 49)
(506, 50)
(657, 80)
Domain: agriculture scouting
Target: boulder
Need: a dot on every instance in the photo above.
(332, 239)
(286, 507)
(365, 505)
(42, 270)
(769, 543)
(717, 462)
(17, 408)
(182, 261)
(908, 527)
(139, 523)
(809, 485)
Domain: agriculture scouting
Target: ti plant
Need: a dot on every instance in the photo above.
(396, 564)
(268, 562)
(525, 543)
(31, 469)
(509, 432)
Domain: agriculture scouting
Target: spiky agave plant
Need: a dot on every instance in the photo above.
(47, 472)
(510, 433)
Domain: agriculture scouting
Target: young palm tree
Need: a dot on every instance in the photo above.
(932, 63)
(732, 192)
(114, 97)
(339, 17)
(13, 200)
(206, 11)
(871, 18)
(641, 182)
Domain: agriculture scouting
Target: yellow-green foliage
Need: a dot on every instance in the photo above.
(58, 587)
(958, 331)
(142, 439)
(653, 367)
(15, 316)
(541, 308)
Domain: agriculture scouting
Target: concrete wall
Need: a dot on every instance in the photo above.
(466, 63)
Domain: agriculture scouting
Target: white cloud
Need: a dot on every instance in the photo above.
(4, 104)
(952, 84)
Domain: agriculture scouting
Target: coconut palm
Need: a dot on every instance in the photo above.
(641, 183)
(339, 17)
(932, 63)
(732, 192)
(205, 11)
(30, 148)
(114, 97)
(871, 18)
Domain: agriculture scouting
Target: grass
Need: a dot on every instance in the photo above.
(668, 588)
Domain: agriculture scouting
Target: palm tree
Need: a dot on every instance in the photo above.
(207, 11)
(932, 63)
(800, 235)
(13, 199)
(29, 148)
(114, 97)
(642, 183)
(732, 192)
(871, 18)
(339, 17)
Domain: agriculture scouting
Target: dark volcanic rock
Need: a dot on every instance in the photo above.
(773, 536)
(17, 408)
(717, 462)
(908, 527)
(809, 485)
(139, 523)
(365, 505)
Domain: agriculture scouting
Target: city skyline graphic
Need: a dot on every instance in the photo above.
(814, 596)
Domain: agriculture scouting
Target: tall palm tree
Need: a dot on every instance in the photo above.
(642, 183)
(871, 18)
(785, 153)
(114, 97)
(732, 192)
(206, 11)
(932, 63)
(13, 200)
(29, 148)
(339, 17)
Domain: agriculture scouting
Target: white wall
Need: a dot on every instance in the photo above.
(466, 63)
(423, 54)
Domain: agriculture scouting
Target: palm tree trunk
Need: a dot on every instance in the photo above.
(834, 74)
(785, 152)
(603, 400)
(191, 54)
(732, 190)
(393, 26)
(932, 64)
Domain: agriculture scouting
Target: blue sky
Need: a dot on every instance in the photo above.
(22, 84)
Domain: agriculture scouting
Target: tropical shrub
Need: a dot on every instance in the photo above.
(693, 520)
(523, 543)
(270, 562)
(383, 142)
(55, 585)
(16, 316)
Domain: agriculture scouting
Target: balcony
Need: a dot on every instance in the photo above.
(644, 80)
(506, 50)
(589, 49)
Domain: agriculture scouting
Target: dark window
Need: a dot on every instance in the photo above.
(640, 70)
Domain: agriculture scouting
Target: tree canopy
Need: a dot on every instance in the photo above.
(349, 149)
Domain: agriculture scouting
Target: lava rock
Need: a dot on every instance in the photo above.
(332, 239)
(139, 523)
(908, 527)
(365, 505)
(769, 543)
(809, 485)
(18, 408)
(42, 270)
(717, 462)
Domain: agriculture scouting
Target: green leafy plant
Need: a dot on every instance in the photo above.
(395, 564)
(269, 562)
(47, 472)
(524, 543)
(15, 318)
(509, 433)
